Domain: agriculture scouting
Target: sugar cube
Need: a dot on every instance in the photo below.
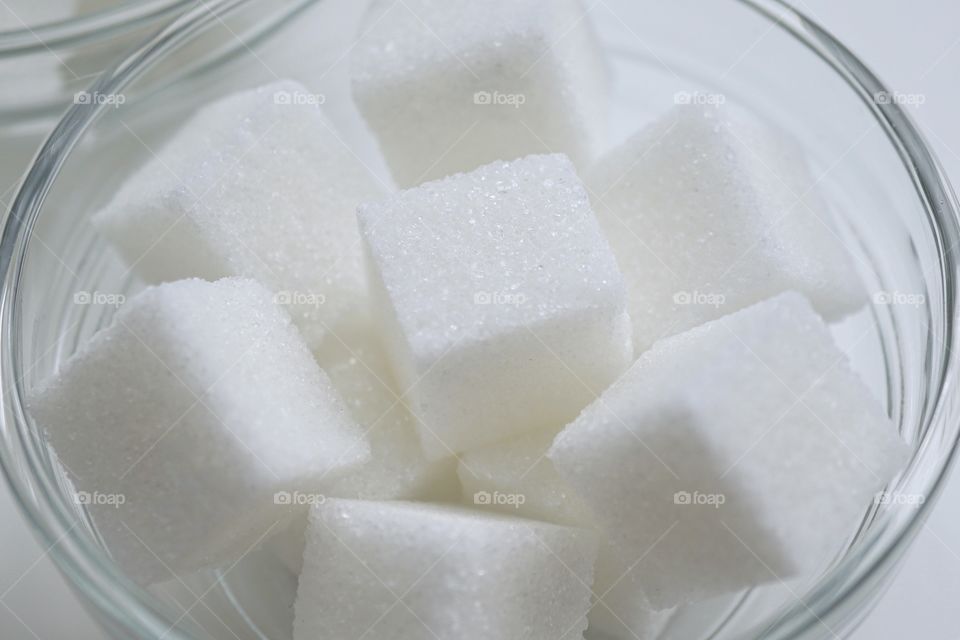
(449, 85)
(707, 213)
(410, 571)
(707, 462)
(398, 470)
(515, 477)
(195, 416)
(257, 184)
(502, 305)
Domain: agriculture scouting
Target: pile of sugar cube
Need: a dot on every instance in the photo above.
(539, 390)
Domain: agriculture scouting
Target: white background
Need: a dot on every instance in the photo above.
(914, 45)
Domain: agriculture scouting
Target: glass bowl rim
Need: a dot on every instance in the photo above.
(97, 25)
(135, 610)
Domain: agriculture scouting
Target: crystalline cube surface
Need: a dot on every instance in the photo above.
(449, 85)
(707, 462)
(502, 304)
(411, 571)
(398, 469)
(197, 405)
(259, 185)
(516, 478)
(707, 213)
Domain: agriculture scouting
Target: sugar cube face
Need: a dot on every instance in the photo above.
(501, 301)
(708, 213)
(197, 405)
(516, 478)
(259, 185)
(713, 454)
(398, 469)
(410, 571)
(449, 85)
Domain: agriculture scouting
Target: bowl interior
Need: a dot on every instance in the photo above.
(659, 56)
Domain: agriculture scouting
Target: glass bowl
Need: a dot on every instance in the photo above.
(891, 200)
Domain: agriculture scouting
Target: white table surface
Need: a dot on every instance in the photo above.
(915, 46)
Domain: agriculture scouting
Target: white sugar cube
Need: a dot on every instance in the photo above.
(398, 470)
(259, 185)
(408, 571)
(503, 306)
(516, 478)
(708, 213)
(197, 405)
(709, 460)
(449, 85)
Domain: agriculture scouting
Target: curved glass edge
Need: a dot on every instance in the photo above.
(98, 25)
(831, 600)
(121, 602)
(133, 609)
